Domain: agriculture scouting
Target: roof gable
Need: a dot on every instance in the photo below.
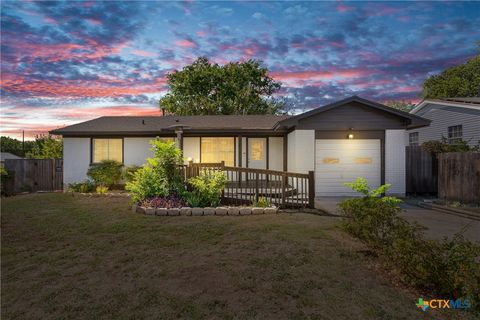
(365, 108)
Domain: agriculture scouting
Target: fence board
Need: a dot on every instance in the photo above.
(421, 171)
(34, 175)
(459, 176)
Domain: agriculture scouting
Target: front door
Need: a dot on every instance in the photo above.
(257, 153)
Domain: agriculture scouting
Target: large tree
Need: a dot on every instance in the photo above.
(205, 88)
(457, 81)
(46, 147)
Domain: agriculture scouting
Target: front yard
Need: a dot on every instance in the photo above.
(73, 257)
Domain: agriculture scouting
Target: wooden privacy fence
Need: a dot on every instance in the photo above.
(246, 185)
(34, 175)
(459, 176)
(421, 171)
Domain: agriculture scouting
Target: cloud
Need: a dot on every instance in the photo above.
(186, 43)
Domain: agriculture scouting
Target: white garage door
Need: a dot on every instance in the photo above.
(338, 161)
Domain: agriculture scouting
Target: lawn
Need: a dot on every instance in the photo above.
(70, 257)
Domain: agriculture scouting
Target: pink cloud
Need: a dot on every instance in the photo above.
(143, 53)
(344, 8)
(317, 77)
(201, 33)
(185, 43)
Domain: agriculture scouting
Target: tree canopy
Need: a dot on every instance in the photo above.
(43, 147)
(205, 88)
(401, 105)
(457, 81)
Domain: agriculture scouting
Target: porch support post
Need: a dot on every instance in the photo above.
(179, 133)
(285, 152)
(239, 150)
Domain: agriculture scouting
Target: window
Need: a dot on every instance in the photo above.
(413, 139)
(257, 149)
(107, 149)
(455, 134)
(215, 150)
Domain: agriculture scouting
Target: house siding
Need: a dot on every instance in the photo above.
(136, 150)
(301, 151)
(395, 161)
(275, 153)
(445, 116)
(76, 159)
(191, 148)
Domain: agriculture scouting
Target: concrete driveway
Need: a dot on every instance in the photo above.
(437, 224)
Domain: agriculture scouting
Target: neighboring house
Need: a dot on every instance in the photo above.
(455, 118)
(340, 142)
(7, 155)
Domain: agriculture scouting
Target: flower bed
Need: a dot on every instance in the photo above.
(206, 211)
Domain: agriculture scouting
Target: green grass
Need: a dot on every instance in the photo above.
(66, 257)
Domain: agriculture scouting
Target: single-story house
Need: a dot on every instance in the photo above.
(452, 118)
(341, 141)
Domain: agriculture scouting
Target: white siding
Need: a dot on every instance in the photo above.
(395, 161)
(191, 148)
(301, 151)
(76, 159)
(445, 116)
(136, 150)
(275, 154)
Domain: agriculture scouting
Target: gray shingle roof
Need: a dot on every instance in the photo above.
(166, 124)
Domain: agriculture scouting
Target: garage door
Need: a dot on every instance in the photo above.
(339, 161)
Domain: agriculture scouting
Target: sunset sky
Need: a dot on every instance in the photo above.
(67, 62)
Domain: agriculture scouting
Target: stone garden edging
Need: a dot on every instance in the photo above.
(207, 211)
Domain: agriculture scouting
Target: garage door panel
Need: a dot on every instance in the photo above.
(340, 161)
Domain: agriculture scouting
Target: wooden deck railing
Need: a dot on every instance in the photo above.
(246, 185)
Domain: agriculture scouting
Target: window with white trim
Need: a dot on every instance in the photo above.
(215, 150)
(455, 134)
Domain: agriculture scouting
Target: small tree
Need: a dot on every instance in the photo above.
(46, 147)
(106, 173)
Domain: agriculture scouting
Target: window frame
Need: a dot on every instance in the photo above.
(451, 130)
(220, 137)
(417, 136)
(92, 151)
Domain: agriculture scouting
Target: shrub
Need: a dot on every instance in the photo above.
(168, 202)
(449, 266)
(83, 187)
(262, 203)
(206, 189)
(101, 189)
(129, 172)
(106, 172)
(160, 176)
(167, 159)
(441, 146)
(147, 182)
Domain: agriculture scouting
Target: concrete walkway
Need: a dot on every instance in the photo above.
(438, 224)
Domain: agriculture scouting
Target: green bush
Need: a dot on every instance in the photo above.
(101, 189)
(106, 172)
(147, 182)
(160, 176)
(167, 159)
(129, 172)
(262, 203)
(83, 187)
(206, 189)
(441, 146)
(449, 266)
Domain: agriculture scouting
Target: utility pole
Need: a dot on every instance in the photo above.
(23, 142)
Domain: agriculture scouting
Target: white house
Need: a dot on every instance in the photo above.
(339, 142)
(453, 118)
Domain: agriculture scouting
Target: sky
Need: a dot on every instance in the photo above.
(68, 62)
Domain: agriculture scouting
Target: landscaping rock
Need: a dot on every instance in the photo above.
(271, 210)
(161, 212)
(174, 212)
(197, 211)
(233, 211)
(186, 211)
(245, 211)
(134, 208)
(257, 210)
(221, 211)
(141, 209)
(150, 211)
(208, 211)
